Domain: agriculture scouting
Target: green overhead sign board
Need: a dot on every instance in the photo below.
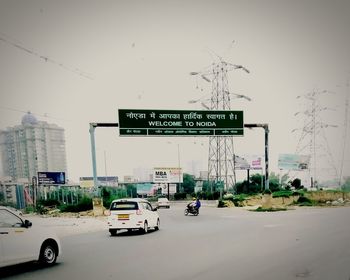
(137, 122)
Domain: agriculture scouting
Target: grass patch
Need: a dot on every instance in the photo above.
(283, 193)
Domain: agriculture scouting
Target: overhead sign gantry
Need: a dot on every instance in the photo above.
(139, 122)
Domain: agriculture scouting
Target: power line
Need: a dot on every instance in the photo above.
(45, 58)
(39, 115)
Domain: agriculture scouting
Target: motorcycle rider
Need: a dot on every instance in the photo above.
(192, 204)
(198, 204)
(195, 204)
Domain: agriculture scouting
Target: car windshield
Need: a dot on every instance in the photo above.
(124, 205)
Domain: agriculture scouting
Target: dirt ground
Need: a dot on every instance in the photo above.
(69, 225)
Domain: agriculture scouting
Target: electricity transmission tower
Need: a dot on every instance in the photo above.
(221, 167)
(313, 138)
(345, 133)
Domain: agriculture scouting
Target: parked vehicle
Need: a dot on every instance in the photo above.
(163, 202)
(133, 213)
(20, 241)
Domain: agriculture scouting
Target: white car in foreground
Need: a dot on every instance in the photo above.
(132, 213)
(21, 242)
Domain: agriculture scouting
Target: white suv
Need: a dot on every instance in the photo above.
(132, 213)
(21, 242)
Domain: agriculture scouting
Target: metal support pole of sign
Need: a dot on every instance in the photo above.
(267, 185)
(168, 191)
(248, 170)
(34, 183)
(266, 128)
(93, 154)
(178, 157)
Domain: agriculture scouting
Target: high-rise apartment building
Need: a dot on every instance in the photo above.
(32, 147)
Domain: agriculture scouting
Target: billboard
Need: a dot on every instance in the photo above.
(108, 181)
(172, 189)
(167, 175)
(252, 162)
(145, 188)
(51, 178)
(293, 162)
(139, 122)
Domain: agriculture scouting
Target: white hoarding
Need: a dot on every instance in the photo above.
(293, 162)
(167, 175)
(172, 189)
(254, 162)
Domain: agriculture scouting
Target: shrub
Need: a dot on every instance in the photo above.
(84, 204)
(267, 191)
(238, 199)
(49, 202)
(29, 209)
(228, 196)
(221, 204)
(225, 203)
(304, 201)
(178, 196)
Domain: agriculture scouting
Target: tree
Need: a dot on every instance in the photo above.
(206, 186)
(188, 183)
(296, 183)
(346, 185)
(274, 182)
(131, 190)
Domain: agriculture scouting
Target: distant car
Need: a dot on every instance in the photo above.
(163, 202)
(132, 213)
(21, 242)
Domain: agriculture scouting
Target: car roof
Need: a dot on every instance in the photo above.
(162, 198)
(11, 209)
(130, 200)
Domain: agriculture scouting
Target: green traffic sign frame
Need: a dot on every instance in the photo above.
(141, 122)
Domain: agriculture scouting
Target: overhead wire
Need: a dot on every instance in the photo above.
(15, 43)
(36, 114)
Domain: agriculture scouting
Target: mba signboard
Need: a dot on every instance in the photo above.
(167, 175)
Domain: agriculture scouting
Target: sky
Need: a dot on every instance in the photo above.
(76, 62)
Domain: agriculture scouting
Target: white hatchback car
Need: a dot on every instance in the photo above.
(21, 242)
(132, 213)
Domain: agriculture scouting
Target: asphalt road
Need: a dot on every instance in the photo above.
(306, 243)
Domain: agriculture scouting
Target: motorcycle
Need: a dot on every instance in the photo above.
(191, 210)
